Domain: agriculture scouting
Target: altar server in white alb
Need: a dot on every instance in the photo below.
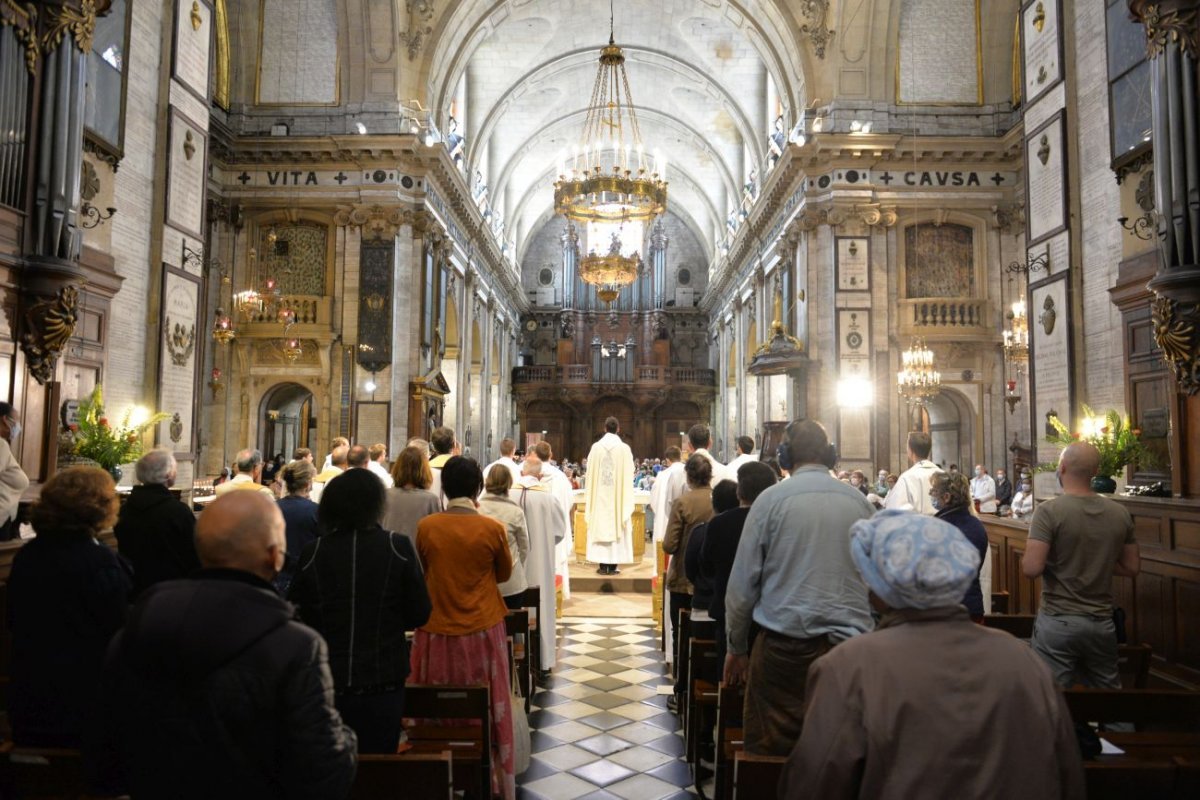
(543, 519)
(610, 501)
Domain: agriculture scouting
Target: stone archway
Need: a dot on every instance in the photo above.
(952, 429)
(287, 419)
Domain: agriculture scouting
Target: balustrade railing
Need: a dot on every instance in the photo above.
(945, 317)
(646, 373)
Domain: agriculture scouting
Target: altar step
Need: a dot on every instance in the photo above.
(610, 584)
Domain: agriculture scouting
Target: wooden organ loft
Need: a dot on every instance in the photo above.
(647, 369)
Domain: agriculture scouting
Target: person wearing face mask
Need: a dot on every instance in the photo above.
(155, 532)
(950, 496)
(1022, 502)
(1004, 490)
(983, 491)
(13, 480)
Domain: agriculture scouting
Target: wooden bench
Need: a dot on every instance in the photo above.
(1133, 662)
(532, 599)
(458, 719)
(1147, 709)
(1019, 625)
(757, 777)
(1122, 778)
(703, 678)
(1000, 602)
(411, 776)
(516, 624)
(730, 705)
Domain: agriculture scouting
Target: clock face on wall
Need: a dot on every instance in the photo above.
(531, 325)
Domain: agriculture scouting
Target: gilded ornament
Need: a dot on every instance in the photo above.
(49, 325)
(1039, 17)
(1175, 334)
(81, 23)
(197, 20)
(1173, 26)
(23, 20)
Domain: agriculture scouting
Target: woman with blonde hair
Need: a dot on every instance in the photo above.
(67, 596)
(496, 504)
(299, 515)
(410, 501)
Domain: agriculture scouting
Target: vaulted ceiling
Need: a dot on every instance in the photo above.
(699, 72)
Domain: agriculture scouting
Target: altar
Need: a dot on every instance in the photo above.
(640, 501)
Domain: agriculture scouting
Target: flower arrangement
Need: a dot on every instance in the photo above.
(1117, 440)
(109, 446)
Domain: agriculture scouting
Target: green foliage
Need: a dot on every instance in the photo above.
(1117, 440)
(96, 438)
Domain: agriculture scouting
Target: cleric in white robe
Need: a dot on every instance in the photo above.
(560, 488)
(661, 497)
(543, 520)
(609, 510)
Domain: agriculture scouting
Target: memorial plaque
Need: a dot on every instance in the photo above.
(1041, 46)
(192, 46)
(181, 328)
(1046, 181)
(371, 422)
(1050, 379)
(188, 149)
(854, 343)
(854, 434)
(853, 260)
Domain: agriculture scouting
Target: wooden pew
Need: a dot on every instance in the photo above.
(411, 776)
(1000, 602)
(40, 773)
(689, 630)
(516, 623)
(1147, 709)
(1133, 662)
(533, 599)
(1019, 625)
(757, 777)
(458, 719)
(1122, 778)
(730, 705)
(703, 677)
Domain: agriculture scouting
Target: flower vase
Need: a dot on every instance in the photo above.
(1103, 485)
(116, 474)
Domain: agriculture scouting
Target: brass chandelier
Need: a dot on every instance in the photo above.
(609, 178)
(917, 380)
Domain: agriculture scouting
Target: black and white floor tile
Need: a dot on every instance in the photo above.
(601, 730)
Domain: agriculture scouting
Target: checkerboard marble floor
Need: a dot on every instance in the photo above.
(601, 731)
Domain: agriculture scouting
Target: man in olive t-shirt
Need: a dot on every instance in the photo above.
(1076, 543)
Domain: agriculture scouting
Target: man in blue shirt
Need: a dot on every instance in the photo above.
(794, 577)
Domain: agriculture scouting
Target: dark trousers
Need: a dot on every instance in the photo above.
(679, 600)
(774, 704)
(376, 718)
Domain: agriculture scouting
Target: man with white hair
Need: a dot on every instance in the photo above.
(1017, 739)
(154, 531)
(221, 652)
(249, 465)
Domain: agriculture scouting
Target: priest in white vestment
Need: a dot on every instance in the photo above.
(560, 488)
(661, 497)
(543, 520)
(609, 510)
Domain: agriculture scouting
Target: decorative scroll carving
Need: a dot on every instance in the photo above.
(1134, 166)
(79, 22)
(871, 214)
(176, 427)
(49, 324)
(1169, 22)
(1175, 334)
(1009, 218)
(420, 25)
(23, 20)
(817, 29)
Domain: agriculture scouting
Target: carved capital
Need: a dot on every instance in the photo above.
(1009, 218)
(378, 222)
(49, 324)
(1169, 22)
(77, 20)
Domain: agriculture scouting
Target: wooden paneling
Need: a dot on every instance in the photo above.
(1162, 604)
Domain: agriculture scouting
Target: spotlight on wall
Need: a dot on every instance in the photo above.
(370, 385)
(361, 128)
(855, 392)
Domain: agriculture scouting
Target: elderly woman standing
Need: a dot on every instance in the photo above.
(67, 596)
(951, 498)
(299, 515)
(155, 531)
(361, 588)
(496, 504)
(410, 501)
(466, 558)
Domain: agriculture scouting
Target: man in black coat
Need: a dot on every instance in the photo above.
(212, 689)
(154, 531)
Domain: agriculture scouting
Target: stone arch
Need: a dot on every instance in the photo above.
(951, 421)
(287, 419)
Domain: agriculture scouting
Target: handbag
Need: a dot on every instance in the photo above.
(522, 742)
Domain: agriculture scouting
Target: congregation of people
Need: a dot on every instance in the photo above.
(258, 647)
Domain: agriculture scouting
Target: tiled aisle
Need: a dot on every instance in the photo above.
(601, 731)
